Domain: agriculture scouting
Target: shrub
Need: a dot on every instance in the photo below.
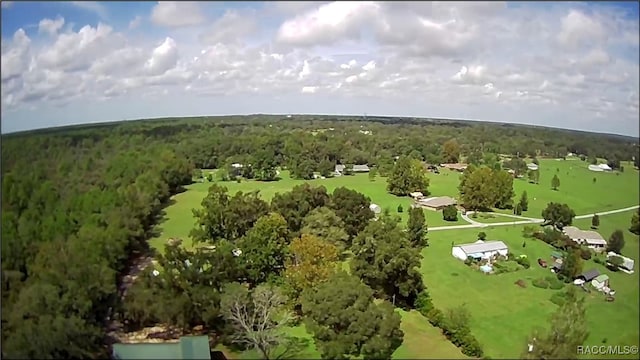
(585, 254)
(556, 285)
(423, 303)
(558, 298)
(435, 317)
(450, 213)
(540, 283)
(469, 261)
(598, 260)
(524, 262)
(524, 243)
(482, 235)
(470, 346)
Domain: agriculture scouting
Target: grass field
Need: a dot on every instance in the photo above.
(610, 191)
(503, 314)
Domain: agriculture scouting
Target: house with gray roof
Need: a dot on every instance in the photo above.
(592, 239)
(436, 203)
(480, 250)
(339, 169)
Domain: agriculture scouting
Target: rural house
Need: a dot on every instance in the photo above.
(188, 348)
(339, 169)
(457, 166)
(361, 168)
(436, 203)
(592, 239)
(600, 168)
(627, 265)
(480, 250)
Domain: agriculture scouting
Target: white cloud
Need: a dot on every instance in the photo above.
(15, 57)
(50, 26)
(441, 59)
(232, 26)
(163, 58)
(135, 22)
(77, 51)
(92, 6)
(309, 89)
(327, 24)
(177, 14)
(578, 29)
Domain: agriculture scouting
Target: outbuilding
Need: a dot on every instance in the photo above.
(480, 250)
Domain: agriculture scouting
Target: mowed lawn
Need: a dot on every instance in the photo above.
(612, 190)
(504, 314)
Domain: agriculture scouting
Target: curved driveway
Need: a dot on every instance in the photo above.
(475, 224)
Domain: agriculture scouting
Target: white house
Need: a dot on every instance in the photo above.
(592, 239)
(600, 168)
(480, 250)
(627, 265)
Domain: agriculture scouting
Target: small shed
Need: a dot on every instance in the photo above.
(600, 281)
(189, 347)
(589, 275)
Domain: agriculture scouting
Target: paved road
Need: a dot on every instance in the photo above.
(607, 212)
(475, 224)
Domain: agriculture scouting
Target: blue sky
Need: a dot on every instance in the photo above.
(573, 65)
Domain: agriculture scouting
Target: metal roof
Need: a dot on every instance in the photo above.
(480, 247)
(590, 237)
(188, 348)
(438, 201)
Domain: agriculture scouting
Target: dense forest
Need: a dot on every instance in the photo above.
(79, 203)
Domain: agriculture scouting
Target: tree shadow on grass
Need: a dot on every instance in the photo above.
(293, 348)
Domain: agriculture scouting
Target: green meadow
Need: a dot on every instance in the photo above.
(503, 314)
(610, 191)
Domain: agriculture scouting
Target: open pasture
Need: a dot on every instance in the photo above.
(503, 314)
(610, 191)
